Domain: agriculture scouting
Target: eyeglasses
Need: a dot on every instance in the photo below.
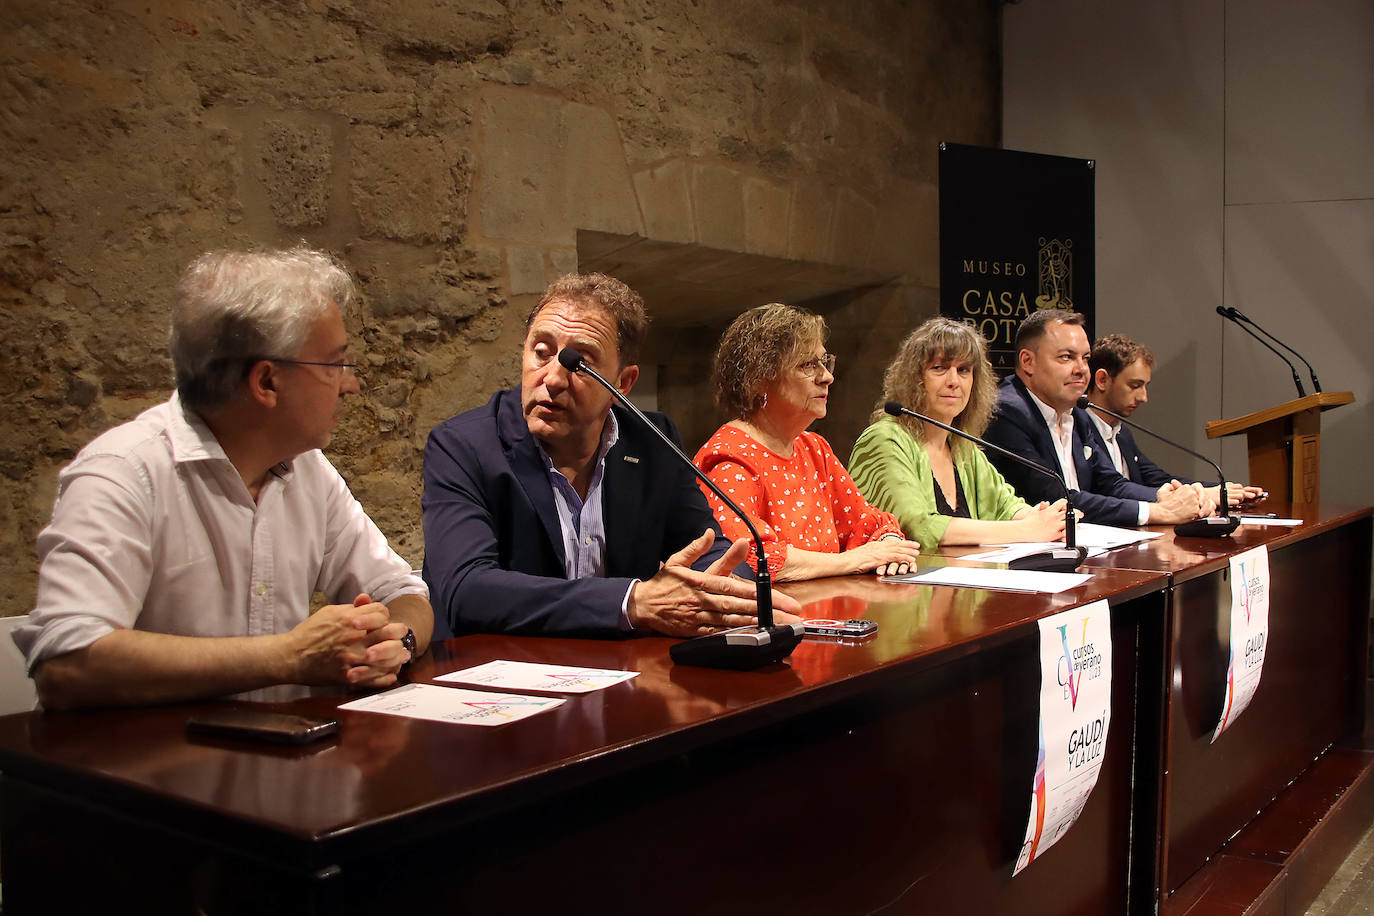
(351, 367)
(815, 364)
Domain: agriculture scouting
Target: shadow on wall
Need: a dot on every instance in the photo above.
(692, 292)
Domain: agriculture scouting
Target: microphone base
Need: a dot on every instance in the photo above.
(1061, 559)
(1213, 526)
(740, 649)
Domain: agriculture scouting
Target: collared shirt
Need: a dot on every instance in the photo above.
(1061, 431)
(153, 529)
(582, 521)
(1109, 431)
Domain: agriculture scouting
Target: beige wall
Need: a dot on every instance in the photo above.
(1234, 145)
(458, 156)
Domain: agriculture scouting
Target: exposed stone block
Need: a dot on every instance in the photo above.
(600, 194)
(718, 202)
(853, 229)
(526, 269)
(409, 188)
(294, 164)
(808, 231)
(766, 207)
(399, 280)
(430, 33)
(550, 168)
(665, 202)
(564, 261)
(852, 69)
(906, 236)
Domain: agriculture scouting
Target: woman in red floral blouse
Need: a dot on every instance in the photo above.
(773, 376)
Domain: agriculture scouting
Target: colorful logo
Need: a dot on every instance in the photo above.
(1071, 678)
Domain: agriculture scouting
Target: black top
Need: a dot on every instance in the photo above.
(960, 508)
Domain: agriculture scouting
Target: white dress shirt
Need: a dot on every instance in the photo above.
(1061, 431)
(1109, 431)
(154, 529)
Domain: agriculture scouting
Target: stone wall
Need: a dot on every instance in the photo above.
(458, 156)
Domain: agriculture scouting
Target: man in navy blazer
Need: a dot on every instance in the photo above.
(1037, 418)
(551, 511)
(1119, 372)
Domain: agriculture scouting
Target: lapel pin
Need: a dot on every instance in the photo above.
(632, 459)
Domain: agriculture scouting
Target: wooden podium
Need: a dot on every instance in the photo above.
(1284, 442)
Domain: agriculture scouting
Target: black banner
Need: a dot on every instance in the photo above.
(1016, 235)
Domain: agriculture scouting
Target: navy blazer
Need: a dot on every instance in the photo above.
(494, 548)
(1104, 495)
(1139, 468)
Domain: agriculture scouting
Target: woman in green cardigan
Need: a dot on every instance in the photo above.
(944, 492)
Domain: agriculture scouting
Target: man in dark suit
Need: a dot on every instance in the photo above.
(551, 511)
(1120, 371)
(1037, 417)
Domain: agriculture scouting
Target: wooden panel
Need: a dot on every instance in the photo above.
(1308, 697)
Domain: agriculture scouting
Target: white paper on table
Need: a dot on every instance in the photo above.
(1075, 717)
(1109, 537)
(1249, 633)
(535, 676)
(453, 704)
(1265, 520)
(1098, 539)
(1017, 551)
(1007, 580)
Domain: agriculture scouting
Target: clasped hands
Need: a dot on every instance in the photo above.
(355, 644)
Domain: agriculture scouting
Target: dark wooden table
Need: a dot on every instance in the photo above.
(1311, 696)
(896, 772)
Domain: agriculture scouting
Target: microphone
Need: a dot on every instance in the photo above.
(1238, 314)
(1214, 526)
(741, 648)
(1065, 559)
(1232, 315)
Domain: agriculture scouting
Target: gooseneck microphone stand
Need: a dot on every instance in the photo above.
(1214, 526)
(740, 648)
(1234, 317)
(1238, 315)
(1061, 559)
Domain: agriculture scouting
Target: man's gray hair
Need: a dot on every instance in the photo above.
(233, 308)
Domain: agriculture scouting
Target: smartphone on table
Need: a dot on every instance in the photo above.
(249, 724)
(855, 628)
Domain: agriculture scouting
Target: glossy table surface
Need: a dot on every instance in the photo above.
(1187, 558)
(383, 771)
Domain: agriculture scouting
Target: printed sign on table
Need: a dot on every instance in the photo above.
(534, 676)
(453, 704)
(1249, 633)
(1075, 714)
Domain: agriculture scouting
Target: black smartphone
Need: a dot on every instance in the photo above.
(852, 629)
(247, 723)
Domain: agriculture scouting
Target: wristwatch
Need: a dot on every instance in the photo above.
(409, 642)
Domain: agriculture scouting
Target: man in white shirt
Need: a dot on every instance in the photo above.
(1120, 371)
(1037, 418)
(185, 546)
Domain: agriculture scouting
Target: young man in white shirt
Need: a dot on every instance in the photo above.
(1120, 371)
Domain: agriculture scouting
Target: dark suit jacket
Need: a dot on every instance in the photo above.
(1104, 495)
(1140, 469)
(493, 546)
